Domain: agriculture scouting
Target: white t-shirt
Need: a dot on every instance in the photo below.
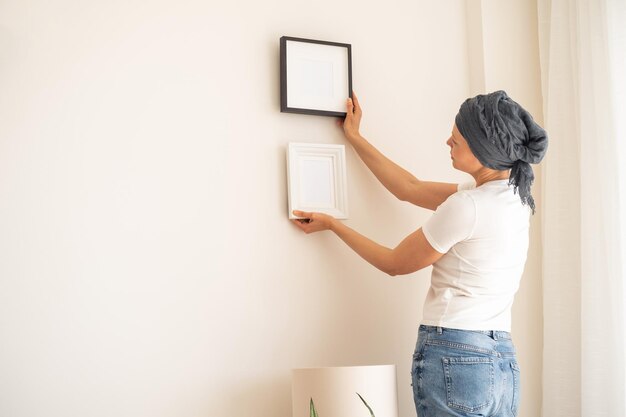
(483, 234)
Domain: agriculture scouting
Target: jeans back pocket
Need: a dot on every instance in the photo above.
(469, 383)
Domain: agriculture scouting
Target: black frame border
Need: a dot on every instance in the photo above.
(283, 77)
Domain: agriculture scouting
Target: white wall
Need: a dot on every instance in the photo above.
(147, 266)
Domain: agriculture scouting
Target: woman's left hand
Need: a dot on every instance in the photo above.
(313, 222)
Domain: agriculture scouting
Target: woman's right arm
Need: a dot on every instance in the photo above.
(401, 183)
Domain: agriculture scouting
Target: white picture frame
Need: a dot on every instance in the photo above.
(315, 76)
(316, 179)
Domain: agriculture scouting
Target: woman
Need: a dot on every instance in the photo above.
(477, 240)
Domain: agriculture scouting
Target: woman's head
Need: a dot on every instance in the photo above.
(462, 156)
(501, 135)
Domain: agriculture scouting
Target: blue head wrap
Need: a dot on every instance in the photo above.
(502, 135)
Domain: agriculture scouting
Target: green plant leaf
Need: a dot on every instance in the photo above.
(368, 407)
(312, 407)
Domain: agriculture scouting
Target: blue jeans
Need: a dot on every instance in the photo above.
(465, 373)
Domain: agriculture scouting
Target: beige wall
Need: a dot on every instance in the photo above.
(148, 267)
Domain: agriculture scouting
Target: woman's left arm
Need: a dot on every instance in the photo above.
(412, 254)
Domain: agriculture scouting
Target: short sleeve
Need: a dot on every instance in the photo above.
(452, 222)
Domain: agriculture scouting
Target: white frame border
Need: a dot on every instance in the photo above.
(295, 153)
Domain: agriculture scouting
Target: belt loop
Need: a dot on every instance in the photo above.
(439, 330)
(495, 335)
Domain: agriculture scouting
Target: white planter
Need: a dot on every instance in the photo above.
(334, 391)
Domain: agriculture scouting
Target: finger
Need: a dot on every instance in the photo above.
(301, 226)
(357, 105)
(339, 122)
(300, 213)
(350, 107)
(304, 226)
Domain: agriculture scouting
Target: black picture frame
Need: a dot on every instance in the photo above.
(320, 105)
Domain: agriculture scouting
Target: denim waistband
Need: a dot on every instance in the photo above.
(494, 334)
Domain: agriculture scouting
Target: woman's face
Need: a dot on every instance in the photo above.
(462, 157)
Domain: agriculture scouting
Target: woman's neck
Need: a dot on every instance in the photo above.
(482, 177)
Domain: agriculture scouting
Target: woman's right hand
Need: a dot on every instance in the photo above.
(352, 121)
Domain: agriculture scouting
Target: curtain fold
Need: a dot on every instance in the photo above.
(583, 50)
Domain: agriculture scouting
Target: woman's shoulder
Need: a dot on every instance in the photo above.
(467, 185)
(461, 201)
(495, 199)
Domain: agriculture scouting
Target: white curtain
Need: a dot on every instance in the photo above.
(583, 60)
